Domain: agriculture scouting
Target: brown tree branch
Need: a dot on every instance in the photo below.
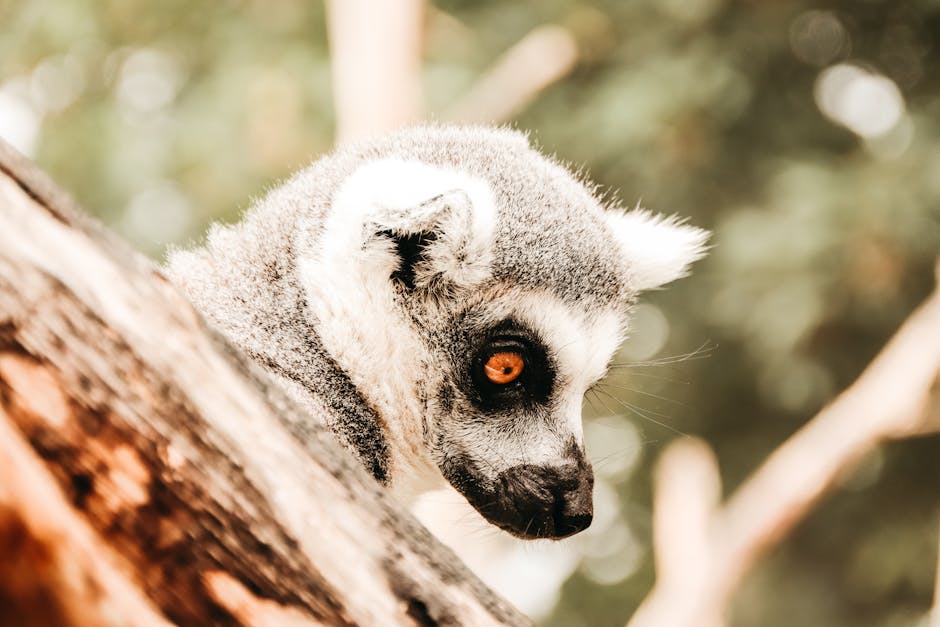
(53, 570)
(158, 477)
(894, 398)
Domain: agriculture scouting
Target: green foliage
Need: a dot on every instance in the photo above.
(825, 237)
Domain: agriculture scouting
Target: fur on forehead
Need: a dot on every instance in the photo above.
(494, 207)
(657, 249)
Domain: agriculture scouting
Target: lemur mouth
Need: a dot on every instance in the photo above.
(529, 501)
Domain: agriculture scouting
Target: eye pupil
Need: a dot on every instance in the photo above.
(504, 367)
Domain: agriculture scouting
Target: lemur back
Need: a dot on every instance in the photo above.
(442, 297)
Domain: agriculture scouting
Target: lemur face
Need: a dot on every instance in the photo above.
(473, 291)
(504, 420)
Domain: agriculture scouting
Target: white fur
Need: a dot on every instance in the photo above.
(347, 283)
(411, 197)
(658, 249)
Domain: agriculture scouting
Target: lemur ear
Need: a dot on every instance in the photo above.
(658, 249)
(439, 222)
(428, 238)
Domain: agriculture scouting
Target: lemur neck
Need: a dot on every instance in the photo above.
(382, 370)
(362, 330)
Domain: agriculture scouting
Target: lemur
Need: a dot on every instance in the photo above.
(444, 297)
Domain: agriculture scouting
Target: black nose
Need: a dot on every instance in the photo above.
(543, 501)
(574, 505)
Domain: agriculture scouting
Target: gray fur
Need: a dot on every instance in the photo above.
(552, 242)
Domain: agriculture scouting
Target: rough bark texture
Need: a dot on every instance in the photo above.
(148, 474)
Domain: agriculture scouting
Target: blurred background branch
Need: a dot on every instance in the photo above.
(542, 57)
(376, 50)
(935, 610)
(703, 553)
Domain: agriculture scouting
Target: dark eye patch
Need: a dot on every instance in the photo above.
(534, 383)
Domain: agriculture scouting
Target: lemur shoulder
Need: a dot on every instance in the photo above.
(444, 296)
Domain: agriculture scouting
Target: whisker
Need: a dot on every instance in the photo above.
(702, 352)
(644, 393)
(597, 391)
(591, 403)
(629, 405)
(600, 461)
(657, 377)
(642, 413)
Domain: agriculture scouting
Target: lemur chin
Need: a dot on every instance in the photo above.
(443, 298)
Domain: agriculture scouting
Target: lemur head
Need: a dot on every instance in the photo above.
(474, 290)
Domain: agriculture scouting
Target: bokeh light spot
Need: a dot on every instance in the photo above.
(648, 334)
(866, 103)
(818, 37)
(57, 82)
(158, 215)
(148, 81)
(614, 446)
(20, 120)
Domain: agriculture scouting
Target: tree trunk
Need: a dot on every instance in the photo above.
(149, 474)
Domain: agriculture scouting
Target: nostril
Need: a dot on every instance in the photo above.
(574, 509)
(568, 523)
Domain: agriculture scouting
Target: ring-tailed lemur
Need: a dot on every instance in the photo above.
(444, 296)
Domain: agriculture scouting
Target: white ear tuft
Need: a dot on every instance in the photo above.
(658, 249)
(396, 193)
(393, 197)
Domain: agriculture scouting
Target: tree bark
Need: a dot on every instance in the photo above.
(149, 474)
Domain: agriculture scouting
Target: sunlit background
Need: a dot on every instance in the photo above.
(805, 134)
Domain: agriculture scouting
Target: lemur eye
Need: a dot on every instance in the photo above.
(510, 369)
(504, 367)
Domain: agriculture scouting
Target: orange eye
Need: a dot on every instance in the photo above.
(503, 368)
